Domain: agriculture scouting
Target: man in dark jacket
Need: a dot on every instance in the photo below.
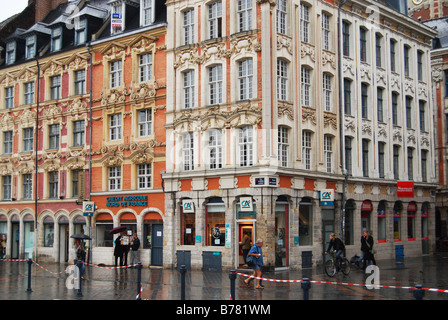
(367, 248)
(338, 247)
(135, 245)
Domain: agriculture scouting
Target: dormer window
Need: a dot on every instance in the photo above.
(30, 48)
(11, 52)
(146, 12)
(117, 24)
(81, 31)
(56, 39)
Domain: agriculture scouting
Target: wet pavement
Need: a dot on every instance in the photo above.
(50, 282)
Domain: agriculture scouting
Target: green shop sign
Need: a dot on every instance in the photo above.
(127, 201)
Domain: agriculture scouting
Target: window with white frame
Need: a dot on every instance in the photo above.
(424, 166)
(9, 98)
(56, 39)
(10, 52)
(115, 126)
(78, 133)
(215, 149)
(282, 80)
(392, 55)
(379, 50)
(80, 31)
(188, 89)
(188, 26)
(6, 184)
(29, 93)
(144, 176)
(281, 16)
(407, 63)
(283, 146)
(326, 39)
(305, 86)
(145, 122)
(363, 44)
(365, 101)
(30, 47)
(215, 20)
(114, 178)
(365, 157)
(53, 181)
(75, 182)
(327, 93)
(117, 23)
(53, 136)
(80, 82)
(245, 79)
(215, 84)
(346, 38)
(304, 23)
(188, 151)
(244, 15)
(306, 149)
(328, 153)
(7, 142)
(27, 180)
(115, 73)
(55, 87)
(245, 146)
(145, 67)
(380, 104)
(28, 139)
(147, 12)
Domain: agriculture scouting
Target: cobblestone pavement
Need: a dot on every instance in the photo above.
(49, 282)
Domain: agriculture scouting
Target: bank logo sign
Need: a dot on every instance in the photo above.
(327, 197)
(246, 204)
(188, 206)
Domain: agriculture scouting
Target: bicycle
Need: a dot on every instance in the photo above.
(330, 265)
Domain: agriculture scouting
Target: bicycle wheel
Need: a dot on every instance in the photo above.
(330, 268)
(345, 266)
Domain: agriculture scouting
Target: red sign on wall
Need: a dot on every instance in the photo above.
(405, 189)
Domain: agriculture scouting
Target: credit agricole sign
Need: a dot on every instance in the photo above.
(127, 201)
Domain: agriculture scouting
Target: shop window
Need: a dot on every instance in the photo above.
(397, 221)
(3, 235)
(424, 226)
(306, 222)
(349, 226)
(79, 224)
(215, 222)
(104, 224)
(188, 223)
(281, 231)
(366, 209)
(381, 237)
(129, 221)
(412, 208)
(48, 231)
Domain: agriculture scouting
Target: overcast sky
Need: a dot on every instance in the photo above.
(11, 7)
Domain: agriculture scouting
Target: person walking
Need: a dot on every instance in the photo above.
(135, 245)
(118, 251)
(367, 248)
(245, 246)
(80, 256)
(257, 255)
(338, 247)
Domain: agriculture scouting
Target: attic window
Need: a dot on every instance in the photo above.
(30, 49)
(11, 52)
(81, 31)
(56, 39)
(117, 23)
(147, 12)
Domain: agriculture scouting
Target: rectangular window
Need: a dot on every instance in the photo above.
(346, 39)
(9, 98)
(56, 39)
(365, 158)
(28, 139)
(424, 166)
(422, 110)
(245, 79)
(55, 87)
(305, 224)
(188, 26)
(281, 16)
(27, 186)
(381, 146)
(7, 187)
(364, 101)
(244, 15)
(10, 52)
(392, 55)
(145, 67)
(394, 108)
(29, 93)
(189, 89)
(188, 151)
(419, 65)
(282, 80)
(283, 146)
(114, 178)
(115, 127)
(245, 146)
(305, 86)
(215, 84)
(328, 153)
(115, 74)
(53, 136)
(215, 20)
(348, 154)
(379, 104)
(53, 180)
(406, 61)
(215, 149)
(326, 44)
(410, 164)
(326, 88)
(80, 82)
(363, 44)
(408, 112)
(378, 42)
(147, 12)
(7, 142)
(306, 149)
(144, 176)
(30, 47)
(396, 162)
(78, 133)
(304, 23)
(144, 123)
(347, 97)
(80, 31)
(75, 182)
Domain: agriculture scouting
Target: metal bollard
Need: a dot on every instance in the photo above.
(232, 277)
(418, 292)
(30, 262)
(139, 280)
(79, 265)
(306, 286)
(183, 270)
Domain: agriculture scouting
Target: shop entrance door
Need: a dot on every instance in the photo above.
(248, 227)
(15, 240)
(63, 243)
(327, 229)
(157, 245)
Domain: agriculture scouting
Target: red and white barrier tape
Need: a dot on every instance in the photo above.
(340, 283)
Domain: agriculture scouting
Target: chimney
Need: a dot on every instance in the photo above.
(43, 7)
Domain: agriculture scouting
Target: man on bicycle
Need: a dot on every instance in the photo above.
(338, 247)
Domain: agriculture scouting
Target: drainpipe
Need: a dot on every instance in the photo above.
(90, 149)
(36, 163)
